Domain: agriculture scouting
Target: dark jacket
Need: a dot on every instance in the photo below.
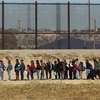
(88, 65)
(17, 67)
(59, 66)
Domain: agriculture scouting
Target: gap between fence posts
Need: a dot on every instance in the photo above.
(35, 24)
(68, 25)
(2, 24)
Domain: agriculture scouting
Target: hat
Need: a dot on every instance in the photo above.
(41, 60)
(32, 61)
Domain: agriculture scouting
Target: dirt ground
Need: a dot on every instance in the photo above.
(49, 89)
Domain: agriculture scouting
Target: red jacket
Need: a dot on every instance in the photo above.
(28, 69)
(32, 66)
(74, 67)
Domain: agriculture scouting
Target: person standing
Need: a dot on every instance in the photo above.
(32, 67)
(74, 68)
(1, 70)
(28, 71)
(38, 67)
(95, 67)
(55, 69)
(82, 68)
(22, 69)
(50, 66)
(46, 70)
(70, 70)
(42, 69)
(99, 68)
(77, 69)
(88, 65)
(17, 69)
(9, 68)
(59, 65)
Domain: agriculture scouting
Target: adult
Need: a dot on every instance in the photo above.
(59, 65)
(70, 70)
(55, 69)
(42, 69)
(17, 69)
(38, 67)
(9, 68)
(82, 68)
(22, 69)
(32, 67)
(50, 66)
(88, 66)
(46, 69)
(96, 67)
(74, 68)
(63, 70)
(77, 69)
(1, 70)
(99, 67)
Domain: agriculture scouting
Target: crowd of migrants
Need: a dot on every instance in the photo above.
(60, 69)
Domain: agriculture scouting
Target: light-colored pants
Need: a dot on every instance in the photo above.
(39, 74)
(87, 72)
(1, 73)
(42, 74)
(62, 74)
(77, 74)
(9, 71)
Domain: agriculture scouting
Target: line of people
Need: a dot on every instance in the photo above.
(60, 69)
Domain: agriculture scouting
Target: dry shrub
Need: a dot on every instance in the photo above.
(48, 91)
(91, 57)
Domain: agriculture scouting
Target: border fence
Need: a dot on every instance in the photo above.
(49, 25)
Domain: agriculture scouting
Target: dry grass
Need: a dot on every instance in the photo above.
(47, 91)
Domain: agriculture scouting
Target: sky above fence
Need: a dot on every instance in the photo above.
(79, 1)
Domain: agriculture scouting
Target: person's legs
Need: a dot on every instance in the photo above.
(70, 74)
(87, 73)
(21, 75)
(31, 74)
(37, 74)
(56, 75)
(74, 74)
(2, 75)
(99, 74)
(17, 73)
(81, 74)
(46, 74)
(77, 74)
(50, 74)
(28, 75)
(8, 74)
(59, 74)
(43, 74)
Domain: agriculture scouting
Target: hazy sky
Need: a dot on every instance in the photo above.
(96, 1)
(47, 15)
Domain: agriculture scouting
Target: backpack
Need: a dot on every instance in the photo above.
(83, 68)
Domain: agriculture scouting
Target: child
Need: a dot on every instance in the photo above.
(28, 71)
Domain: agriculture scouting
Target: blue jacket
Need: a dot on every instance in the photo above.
(22, 66)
